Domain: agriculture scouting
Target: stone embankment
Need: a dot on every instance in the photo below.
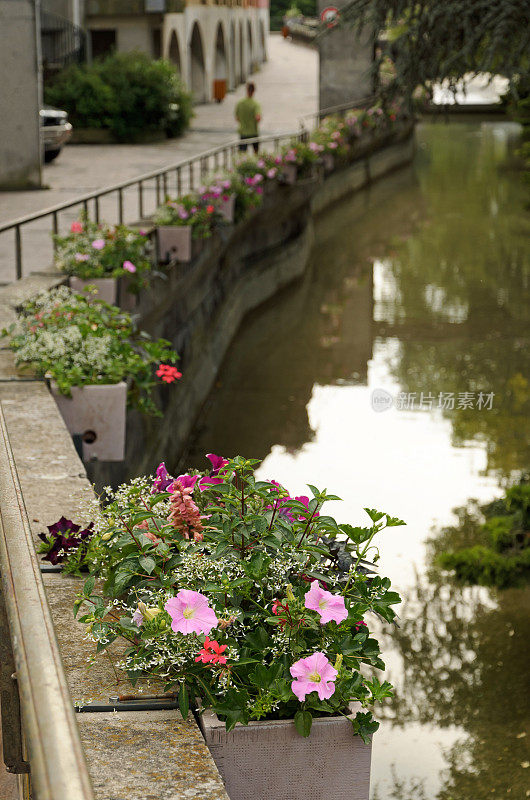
(155, 754)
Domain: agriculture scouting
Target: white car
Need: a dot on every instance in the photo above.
(56, 131)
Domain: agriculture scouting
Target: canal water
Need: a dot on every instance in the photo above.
(417, 288)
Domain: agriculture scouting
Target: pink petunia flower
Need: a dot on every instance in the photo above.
(271, 173)
(190, 613)
(207, 482)
(98, 244)
(76, 227)
(313, 674)
(331, 607)
(128, 266)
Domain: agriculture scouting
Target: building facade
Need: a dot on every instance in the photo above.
(208, 41)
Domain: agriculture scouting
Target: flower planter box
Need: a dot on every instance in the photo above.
(107, 288)
(174, 243)
(97, 414)
(290, 173)
(329, 162)
(227, 207)
(271, 761)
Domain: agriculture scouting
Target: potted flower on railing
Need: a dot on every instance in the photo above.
(267, 166)
(298, 161)
(182, 222)
(99, 254)
(330, 139)
(97, 364)
(234, 194)
(254, 608)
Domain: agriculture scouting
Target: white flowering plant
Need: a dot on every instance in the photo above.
(98, 250)
(234, 593)
(77, 340)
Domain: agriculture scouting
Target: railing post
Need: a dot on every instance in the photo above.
(96, 209)
(179, 180)
(18, 253)
(191, 176)
(141, 199)
(120, 206)
(164, 184)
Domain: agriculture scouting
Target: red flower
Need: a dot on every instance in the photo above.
(168, 373)
(211, 653)
(76, 227)
(210, 209)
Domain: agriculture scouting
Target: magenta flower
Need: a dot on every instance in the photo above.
(98, 244)
(271, 173)
(188, 481)
(190, 613)
(218, 462)
(331, 607)
(163, 479)
(128, 266)
(313, 674)
(207, 482)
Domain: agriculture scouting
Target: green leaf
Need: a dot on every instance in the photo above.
(374, 515)
(88, 588)
(394, 521)
(364, 725)
(303, 721)
(147, 563)
(184, 701)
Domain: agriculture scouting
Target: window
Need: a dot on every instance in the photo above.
(103, 42)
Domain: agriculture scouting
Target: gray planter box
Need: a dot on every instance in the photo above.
(271, 761)
(107, 288)
(98, 414)
(174, 243)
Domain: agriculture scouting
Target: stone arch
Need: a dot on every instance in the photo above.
(197, 80)
(250, 45)
(174, 52)
(263, 46)
(242, 70)
(232, 58)
(220, 55)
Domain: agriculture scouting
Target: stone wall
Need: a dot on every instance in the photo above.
(135, 755)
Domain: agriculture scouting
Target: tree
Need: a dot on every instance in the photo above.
(442, 40)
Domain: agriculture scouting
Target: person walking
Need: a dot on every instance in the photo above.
(248, 115)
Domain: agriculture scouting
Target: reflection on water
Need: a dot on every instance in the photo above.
(419, 286)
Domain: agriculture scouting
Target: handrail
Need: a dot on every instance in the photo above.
(185, 172)
(57, 763)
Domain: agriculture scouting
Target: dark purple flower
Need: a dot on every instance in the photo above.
(63, 536)
(163, 479)
(218, 462)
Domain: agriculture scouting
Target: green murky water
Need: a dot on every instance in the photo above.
(419, 287)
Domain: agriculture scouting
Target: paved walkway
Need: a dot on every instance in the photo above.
(287, 88)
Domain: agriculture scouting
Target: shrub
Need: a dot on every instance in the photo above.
(128, 94)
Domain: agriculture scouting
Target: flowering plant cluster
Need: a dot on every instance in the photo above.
(67, 544)
(201, 215)
(77, 340)
(99, 250)
(331, 137)
(234, 593)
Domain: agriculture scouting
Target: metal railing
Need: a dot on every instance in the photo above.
(148, 192)
(62, 42)
(312, 120)
(39, 729)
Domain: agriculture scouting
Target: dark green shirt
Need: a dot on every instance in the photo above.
(246, 112)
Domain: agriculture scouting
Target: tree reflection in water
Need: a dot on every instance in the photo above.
(465, 656)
